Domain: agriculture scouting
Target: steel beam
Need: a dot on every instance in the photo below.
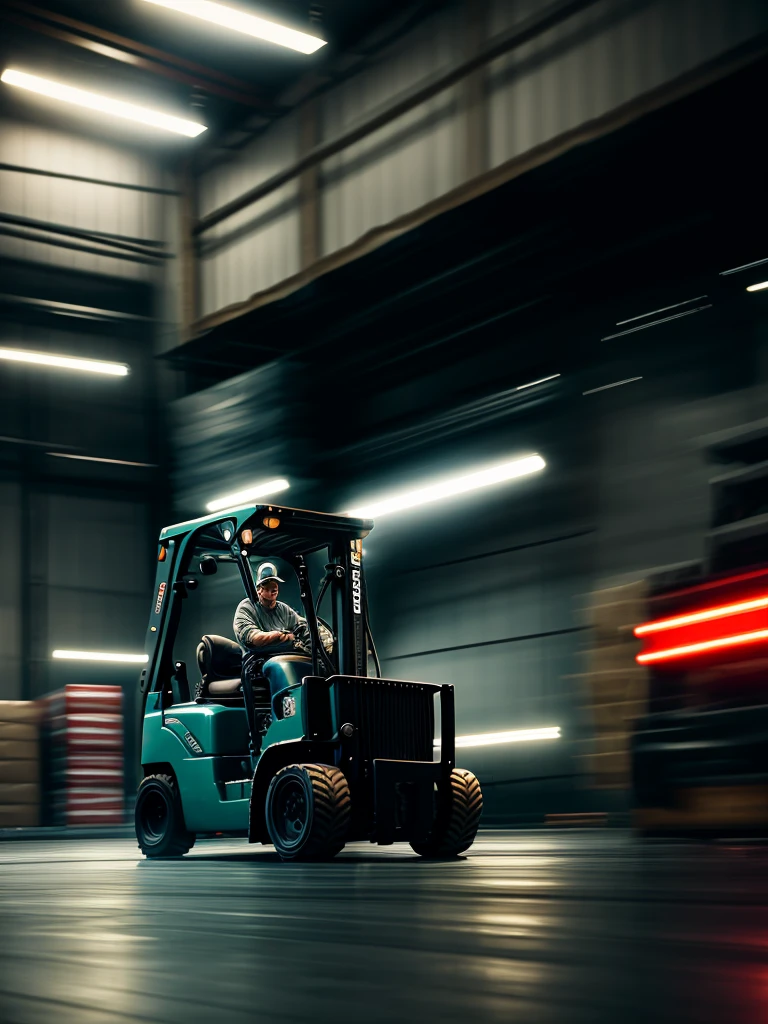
(18, 169)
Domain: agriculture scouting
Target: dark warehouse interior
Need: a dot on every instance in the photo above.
(274, 295)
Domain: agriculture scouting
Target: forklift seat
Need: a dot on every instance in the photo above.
(220, 661)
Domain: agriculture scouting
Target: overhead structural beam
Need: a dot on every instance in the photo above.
(524, 33)
(70, 309)
(19, 169)
(63, 243)
(142, 247)
(129, 51)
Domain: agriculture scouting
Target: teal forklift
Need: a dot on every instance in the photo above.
(307, 751)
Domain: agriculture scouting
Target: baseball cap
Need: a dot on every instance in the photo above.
(267, 571)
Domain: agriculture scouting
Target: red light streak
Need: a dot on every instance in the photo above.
(702, 616)
(706, 645)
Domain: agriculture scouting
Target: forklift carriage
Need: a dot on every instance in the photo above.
(306, 750)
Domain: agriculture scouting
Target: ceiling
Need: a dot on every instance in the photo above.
(234, 84)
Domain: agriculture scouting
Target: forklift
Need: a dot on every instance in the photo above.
(309, 750)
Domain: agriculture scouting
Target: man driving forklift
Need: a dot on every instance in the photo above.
(271, 626)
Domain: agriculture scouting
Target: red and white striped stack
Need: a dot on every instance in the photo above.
(84, 726)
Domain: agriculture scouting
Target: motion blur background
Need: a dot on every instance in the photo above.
(458, 233)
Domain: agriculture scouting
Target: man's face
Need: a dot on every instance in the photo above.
(267, 593)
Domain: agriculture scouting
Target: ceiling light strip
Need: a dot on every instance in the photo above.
(262, 490)
(248, 24)
(18, 355)
(59, 91)
(450, 487)
(702, 616)
(757, 287)
(131, 659)
(514, 736)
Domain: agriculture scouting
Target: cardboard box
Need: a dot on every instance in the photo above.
(19, 816)
(20, 793)
(18, 731)
(19, 750)
(19, 711)
(20, 771)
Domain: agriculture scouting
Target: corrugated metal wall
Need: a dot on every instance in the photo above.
(615, 51)
(75, 204)
(407, 163)
(603, 57)
(78, 536)
(261, 243)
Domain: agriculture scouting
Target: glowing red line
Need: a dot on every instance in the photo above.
(708, 613)
(706, 645)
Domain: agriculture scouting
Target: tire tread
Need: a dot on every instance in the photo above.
(457, 832)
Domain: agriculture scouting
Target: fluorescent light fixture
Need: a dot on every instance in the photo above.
(757, 287)
(240, 21)
(606, 387)
(451, 486)
(262, 490)
(133, 659)
(103, 104)
(95, 458)
(533, 383)
(487, 739)
(19, 355)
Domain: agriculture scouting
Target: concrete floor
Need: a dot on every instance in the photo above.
(530, 926)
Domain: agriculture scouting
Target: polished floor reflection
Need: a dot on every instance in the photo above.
(530, 926)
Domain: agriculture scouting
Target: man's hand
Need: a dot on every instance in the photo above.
(259, 639)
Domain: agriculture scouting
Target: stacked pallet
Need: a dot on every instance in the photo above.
(19, 764)
(84, 733)
(616, 686)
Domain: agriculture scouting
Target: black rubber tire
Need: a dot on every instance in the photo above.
(307, 811)
(456, 832)
(159, 817)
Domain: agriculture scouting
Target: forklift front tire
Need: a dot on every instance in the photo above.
(307, 811)
(160, 828)
(455, 831)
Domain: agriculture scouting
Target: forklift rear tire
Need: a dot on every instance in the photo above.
(308, 808)
(455, 832)
(160, 827)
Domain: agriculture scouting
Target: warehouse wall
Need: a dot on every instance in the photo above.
(489, 592)
(611, 53)
(79, 535)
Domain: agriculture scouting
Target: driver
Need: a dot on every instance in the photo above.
(270, 626)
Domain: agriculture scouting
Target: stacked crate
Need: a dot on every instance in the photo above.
(19, 764)
(616, 686)
(84, 733)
